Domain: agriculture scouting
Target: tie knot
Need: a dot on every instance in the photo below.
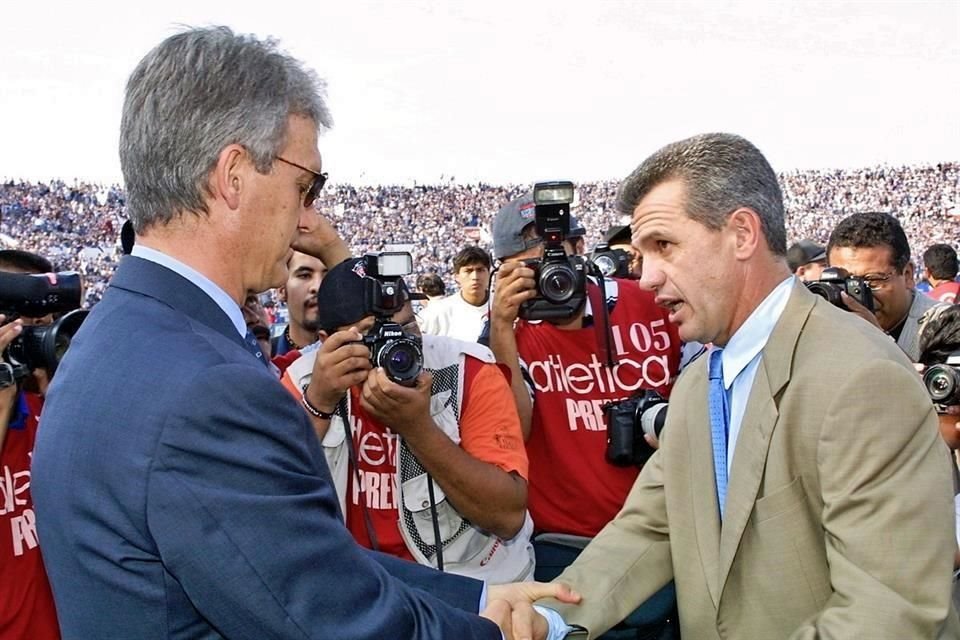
(716, 365)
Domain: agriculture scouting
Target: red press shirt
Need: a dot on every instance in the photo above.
(573, 489)
(26, 603)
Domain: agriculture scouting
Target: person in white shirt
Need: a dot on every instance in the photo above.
(462, 314)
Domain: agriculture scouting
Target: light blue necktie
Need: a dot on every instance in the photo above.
(719, 425)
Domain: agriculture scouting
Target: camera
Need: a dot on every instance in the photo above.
(612, 263)
(627, 422)
(943, 381)
(398, 352)
(561, 280)
(34, 296)
(834, 280)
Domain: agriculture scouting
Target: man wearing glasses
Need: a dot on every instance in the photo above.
(180, 490)
(874, 247)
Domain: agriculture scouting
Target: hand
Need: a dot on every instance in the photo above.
(516, 623)
(406, 410)
(316, 237)
(515, 285)
(652, 440)
(859, 309)
(525, 622)
(342, 362)
(8, 395)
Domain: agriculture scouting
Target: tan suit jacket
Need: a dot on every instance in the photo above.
(839, 513)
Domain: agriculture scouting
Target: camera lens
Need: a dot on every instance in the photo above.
(827, 290)
(943, 383)
(557, 282)
(605, 264)
(402, 360)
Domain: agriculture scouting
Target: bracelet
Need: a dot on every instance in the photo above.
(312, 410)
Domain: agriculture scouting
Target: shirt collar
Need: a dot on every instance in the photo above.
(218, 295)
(750, 339)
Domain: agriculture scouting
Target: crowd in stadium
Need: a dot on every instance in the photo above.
(77, 225)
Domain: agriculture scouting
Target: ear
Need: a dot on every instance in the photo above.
(908, 272)
(229, 174)
(747, 231)
(323, 335)
(282, 293)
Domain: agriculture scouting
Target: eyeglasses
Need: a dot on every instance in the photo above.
(319, 179)
(877, 281)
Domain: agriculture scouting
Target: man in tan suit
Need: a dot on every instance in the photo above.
(829, 511)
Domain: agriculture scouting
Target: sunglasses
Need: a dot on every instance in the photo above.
(319, 179)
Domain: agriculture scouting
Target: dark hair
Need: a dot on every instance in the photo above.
(24, 261)
(431, 284)
(471, 254)
(870, 230)
(941, 260)
(720, 173)
(939, 334)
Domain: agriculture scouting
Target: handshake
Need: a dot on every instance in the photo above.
(511, 607)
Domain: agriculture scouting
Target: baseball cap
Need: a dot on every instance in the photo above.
(805, 252)
(508, 226)
(341, 299)
(617, 234)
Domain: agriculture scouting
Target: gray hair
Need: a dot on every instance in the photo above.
(721, 172)
(196, 93)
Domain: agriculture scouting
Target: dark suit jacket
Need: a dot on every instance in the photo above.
(181, 493)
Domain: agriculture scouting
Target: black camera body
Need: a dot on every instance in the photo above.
(627, 421)
(835, 280)
(612, 263)
(561, 279)
(943, 381)
(34, 296)
(398, 352)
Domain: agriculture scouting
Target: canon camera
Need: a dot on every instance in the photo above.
(627, 422)
(561, 280)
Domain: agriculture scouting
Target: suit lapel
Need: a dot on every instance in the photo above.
(759, 421)
(156, 281)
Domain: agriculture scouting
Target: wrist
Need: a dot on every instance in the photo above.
(323, 409)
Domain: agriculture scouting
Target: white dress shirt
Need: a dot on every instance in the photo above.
(218, 295)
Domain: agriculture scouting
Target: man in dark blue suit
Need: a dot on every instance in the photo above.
(180, 492)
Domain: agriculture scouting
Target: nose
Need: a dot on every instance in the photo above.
(651, 277)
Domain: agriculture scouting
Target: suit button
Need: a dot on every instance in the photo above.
(425, 504)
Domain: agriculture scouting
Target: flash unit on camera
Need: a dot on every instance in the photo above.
(557, 192)
(389, 264)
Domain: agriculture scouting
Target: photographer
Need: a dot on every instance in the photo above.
(26, 603)
(874, 247)
(939, 345)
(440, 456)
(560, 385)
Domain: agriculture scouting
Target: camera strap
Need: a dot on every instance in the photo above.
(438, 541)
(597, 294)
(343, 412)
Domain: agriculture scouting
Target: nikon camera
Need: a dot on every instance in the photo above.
(561, 279)
(833, 280)
(627, 422)
(34, 296)
(398, 352)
